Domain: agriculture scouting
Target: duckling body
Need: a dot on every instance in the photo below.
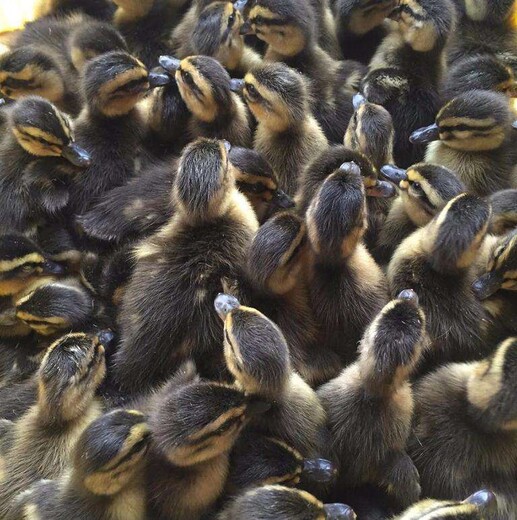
(216, 221)
(504, 211)
(465, 434)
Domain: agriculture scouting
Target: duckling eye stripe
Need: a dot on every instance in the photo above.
(261, 20)
(467, 128)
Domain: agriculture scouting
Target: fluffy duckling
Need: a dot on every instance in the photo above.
(206, 89)
(276, 261)
(346, 286)
(472, 508)
(43, 439)
(504, 211)
(110, 126)
(200, 250)
(106, 479)
(283, 503)
(484, 72)
(465, 434)
(287, 134)
(406, 71)
(437, 261)
(361, 26)
(473, 137)
(424, 190)
(289, 28)
(99, 9)
(38, 160)
(257, 356)
(370, 404)
(194, 426)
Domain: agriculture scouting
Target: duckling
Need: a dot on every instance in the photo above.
(370, 404)
(504, 211)
(406, 71)
(290, 31)
(472, 508)
(361, 26)
(106, 480)
(100, 9)
(346, 286)
(110, 126)
(465, 434)
(287, 134)
(38, 160)
(473, 137)
(480, 72)
(43, 438)
(194, 426)
(200, 249)
(283, 503)
(296, 416)
(425, 189)
(205, 87)
(436, 261)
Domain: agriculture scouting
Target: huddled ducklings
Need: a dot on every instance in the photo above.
(465, 431)
(197, 253)
(106, 479)
(504, 211)
(473, 137)
(41, 442)
(437, 262)
(283, 503)
(370, 404)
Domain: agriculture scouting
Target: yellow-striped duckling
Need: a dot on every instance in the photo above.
(465, 430)
(283, 503)
(277, 260)
(472, 508)
(106, 478)
(287, 134)
(406, 71)
(347, 288)
(370, 404)
(257, 356)
(201, 248)
(110, 126)
(44, 437)
(504, 211)
(39, 159)
(194, 426)
(206, 89)
(437, 262)
(424, 190)
(290, 30)
(473, 137)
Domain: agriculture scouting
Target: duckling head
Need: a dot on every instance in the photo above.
(492, 389)
(501, 271)
(365, 15)
(70, 373)
(371, 132)
(204, 179)
(55, 306)
(288, 27)
(454, 236)
(111, 451)
(199, 421)
(473, 122)
(425, 189)
(474, 507)
(29, 71)
(393, 343)
(204, 85)
(93, 39)
(504, 211)
(337, 216)
(284, 503)
(255, 349)
(276, 95)
(114, 83)
(22, 261)
(42, 130)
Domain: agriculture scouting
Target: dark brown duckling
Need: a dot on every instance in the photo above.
(504, 211)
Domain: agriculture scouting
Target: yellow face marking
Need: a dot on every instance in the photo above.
(28, 317)
(255, 179)
(130, 10)
(9, 265)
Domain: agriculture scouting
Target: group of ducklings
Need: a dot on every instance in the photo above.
(258, 260)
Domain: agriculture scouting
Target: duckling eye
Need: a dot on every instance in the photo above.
(231, 20)
(187, 77)
(417, 188)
